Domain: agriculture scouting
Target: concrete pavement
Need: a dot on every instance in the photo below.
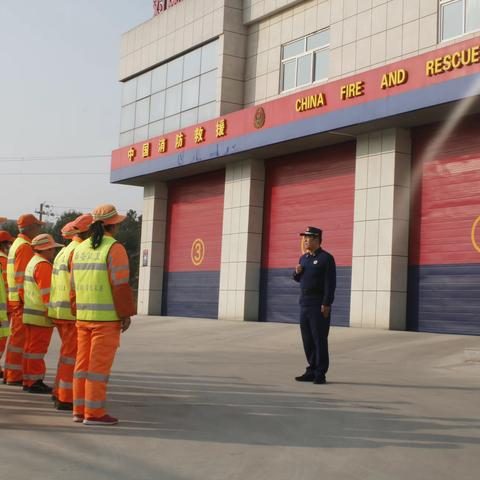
(208, 400)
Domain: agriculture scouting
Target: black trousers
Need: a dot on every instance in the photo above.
(314, 328)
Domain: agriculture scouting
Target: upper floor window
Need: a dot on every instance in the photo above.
(305, 61)
(458, 17)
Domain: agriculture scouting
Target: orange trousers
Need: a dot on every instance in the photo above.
(36, 346)
(14, 358)
(63, 389)
(97, 345)
(3, 344)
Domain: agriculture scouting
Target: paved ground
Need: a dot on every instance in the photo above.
(208, 400)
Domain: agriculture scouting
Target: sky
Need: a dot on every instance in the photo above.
(60, 103)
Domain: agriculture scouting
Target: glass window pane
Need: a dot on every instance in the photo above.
(189, 117)
(157, 106)
(159, 79)
(289, 75)
(473, 15)
(172, 123)
(207, 112)
(190, 93)
(294, 48)
(129, 91)
(173, 100)
(140, 134)
(318, 40)
(304, 70)
(155, 129)
(208, 87)
(174, 71)
(126, 139)
(321, 65)
(127, 118)
(191, 65)
(142, 112)
(144, 85)
(209, 56)
(452, 20)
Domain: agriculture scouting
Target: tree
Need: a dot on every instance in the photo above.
(11, 227)
(56, 229)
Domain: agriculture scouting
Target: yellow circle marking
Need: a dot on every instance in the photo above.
(474, 241)
(198, 252)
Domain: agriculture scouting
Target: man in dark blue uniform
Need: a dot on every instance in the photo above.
(316, 273)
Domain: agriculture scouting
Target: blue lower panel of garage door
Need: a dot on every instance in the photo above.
(444, 299)
(280, 293)
(191, 294)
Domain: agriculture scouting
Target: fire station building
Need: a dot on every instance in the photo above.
(247, 120)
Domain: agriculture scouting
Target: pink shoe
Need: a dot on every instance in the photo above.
(78, 418)
(105, 420)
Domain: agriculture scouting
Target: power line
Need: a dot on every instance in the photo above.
(32, 158)
(53, 174)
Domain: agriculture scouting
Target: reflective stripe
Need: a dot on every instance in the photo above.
(80, 375)
(3, 306)
(28, 278)
(12, 366)
(14, 349)
(97, 377)
(96, 307)
(67, 360)
(33, 377)
(34, 356)
(20, 274)
(65, 385)
(121, 281)
(119, 268)
(79, 402)
(11, 261)
(44, 291)
(12, 289)
(59, 305)
(89, 266)
(93, 404)
(31, 311)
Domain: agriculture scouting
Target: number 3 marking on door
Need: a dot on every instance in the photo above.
(198, 252)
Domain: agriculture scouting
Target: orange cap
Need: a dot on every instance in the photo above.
(107, 214)
(44, 241)
(68, 230)
(28, 219)
(82, 223)
(5, 236)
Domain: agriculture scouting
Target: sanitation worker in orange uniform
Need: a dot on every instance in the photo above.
(60, 310)
(19, 255)
(5, 242)
(38, 326)
(102, 300)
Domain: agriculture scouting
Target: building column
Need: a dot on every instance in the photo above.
(381, 230)
(152, 249)
(242, 241)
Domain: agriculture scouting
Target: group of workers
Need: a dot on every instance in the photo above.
(83, 290)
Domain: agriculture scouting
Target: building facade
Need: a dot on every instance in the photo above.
(246, 121)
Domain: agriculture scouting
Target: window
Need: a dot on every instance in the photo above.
(305, 61)
(173, 95)
(458, 17)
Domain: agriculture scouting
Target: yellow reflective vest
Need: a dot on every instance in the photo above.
(59, 307)
(91, 282)
(34, 310)
(4, 323)
(13, 286)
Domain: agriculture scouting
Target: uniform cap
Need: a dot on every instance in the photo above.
(107, 214)
(311, 232)
(27, 220)
(44, 241)
(68, 230)
(82, 223)
(5, 236)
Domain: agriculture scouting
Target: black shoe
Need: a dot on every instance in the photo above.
(25, 388)
(1, 374)
(40, 387)
(54, 399)
(306, 377)
(320, 381)
(63, 406)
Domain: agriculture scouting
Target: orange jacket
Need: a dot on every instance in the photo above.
(23, 255)
(43, 278)
(118, 274)
(3, 263)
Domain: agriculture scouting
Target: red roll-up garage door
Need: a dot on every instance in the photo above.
(194, 237)
(444, 258)
(310, 188)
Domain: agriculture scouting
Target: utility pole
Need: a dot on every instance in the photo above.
(41, 212)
